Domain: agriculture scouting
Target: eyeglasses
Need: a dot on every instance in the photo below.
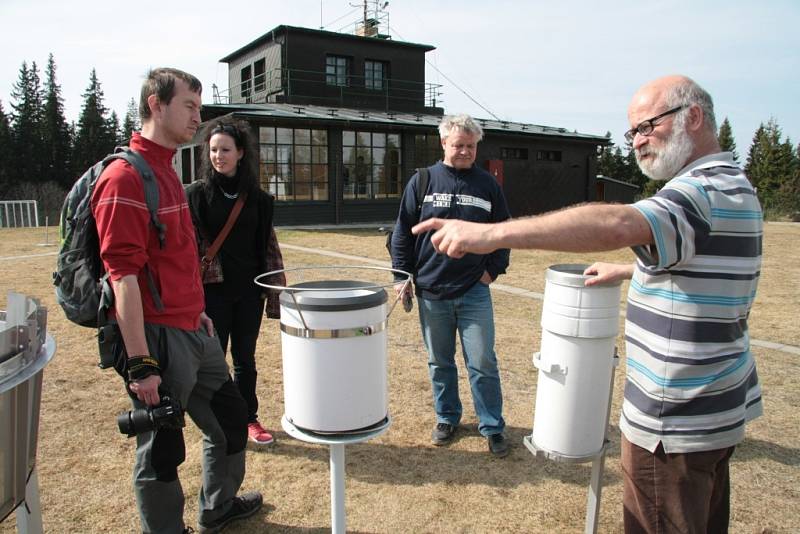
(647, 127)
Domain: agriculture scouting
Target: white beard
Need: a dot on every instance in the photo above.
(667, 161)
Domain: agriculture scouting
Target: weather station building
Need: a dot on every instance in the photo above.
(344, 119)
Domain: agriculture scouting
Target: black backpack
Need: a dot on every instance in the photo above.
(422, 188)
(82, 287)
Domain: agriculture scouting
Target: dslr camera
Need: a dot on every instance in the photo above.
(168, 414)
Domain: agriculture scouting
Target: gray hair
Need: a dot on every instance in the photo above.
(462, 122)
(688, 92)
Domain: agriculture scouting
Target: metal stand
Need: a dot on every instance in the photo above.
(598, 462)
(29, 513)
(336, 443)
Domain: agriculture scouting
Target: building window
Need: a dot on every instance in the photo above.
(513, 153)
(246, 83)
(375, 74)
(258, 75)
(427, 149)
(337, 69)
(548, 155)
(372, 165)
(294, 163)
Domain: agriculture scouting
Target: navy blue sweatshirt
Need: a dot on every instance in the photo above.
(472, 195)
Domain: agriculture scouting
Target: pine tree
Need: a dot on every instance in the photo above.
(131, 122)
(26, 142)
(94, 137)
(5, 153)
(55, 132)
(726, 142)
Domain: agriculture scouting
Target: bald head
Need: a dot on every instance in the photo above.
(686, 113)
(676, 90)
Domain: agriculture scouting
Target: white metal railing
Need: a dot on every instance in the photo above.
(19, 213)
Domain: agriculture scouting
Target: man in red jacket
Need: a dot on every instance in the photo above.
(168, 345)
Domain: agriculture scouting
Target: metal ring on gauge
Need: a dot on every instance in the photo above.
(335, 333)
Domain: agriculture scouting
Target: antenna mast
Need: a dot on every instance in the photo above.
(374, 20)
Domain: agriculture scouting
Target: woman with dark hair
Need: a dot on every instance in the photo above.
(229, 173)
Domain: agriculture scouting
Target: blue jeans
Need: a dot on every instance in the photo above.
(470, 315)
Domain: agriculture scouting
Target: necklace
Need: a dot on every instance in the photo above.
(228, 195)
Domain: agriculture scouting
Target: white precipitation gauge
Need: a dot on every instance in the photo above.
(576, 374)
(333, 345)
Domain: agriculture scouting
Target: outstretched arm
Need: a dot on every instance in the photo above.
(585, 228)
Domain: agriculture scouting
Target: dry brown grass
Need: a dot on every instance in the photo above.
(399, 482)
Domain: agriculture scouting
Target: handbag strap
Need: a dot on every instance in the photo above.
(215, 246)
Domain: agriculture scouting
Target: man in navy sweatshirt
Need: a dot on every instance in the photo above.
(453, 294)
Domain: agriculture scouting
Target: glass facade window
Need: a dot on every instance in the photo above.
(427, 149)
(372, 165)
(337, 69)
(294, 163)
(375, 75)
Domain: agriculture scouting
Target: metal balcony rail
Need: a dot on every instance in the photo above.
(336, 90)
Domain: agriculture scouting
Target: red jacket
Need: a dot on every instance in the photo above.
(128, 240)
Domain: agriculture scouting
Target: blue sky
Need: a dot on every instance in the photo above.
(572, 64)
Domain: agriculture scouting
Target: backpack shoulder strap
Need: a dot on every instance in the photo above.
(151, 198)
(150, 186)
(422, 187)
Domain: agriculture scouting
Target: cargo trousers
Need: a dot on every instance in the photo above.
(194, 372)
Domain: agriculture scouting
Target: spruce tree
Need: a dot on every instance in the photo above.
(786, 198)
(634, 173)
(55, 132)
(757, 157)
(726, 142)
(605, 160)
(94, 137)
(771, 165)
(131, 122)
(26, 143)
(113, 126)
(5, 153)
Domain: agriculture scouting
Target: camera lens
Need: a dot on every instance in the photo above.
(135, 422)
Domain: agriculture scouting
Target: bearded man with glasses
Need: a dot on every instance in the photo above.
(691, 381)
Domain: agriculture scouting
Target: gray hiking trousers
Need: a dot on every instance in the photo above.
(193, 371)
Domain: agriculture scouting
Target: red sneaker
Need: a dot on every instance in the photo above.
(257, 434)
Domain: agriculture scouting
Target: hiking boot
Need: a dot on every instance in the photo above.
(256, 434)
(243, 506)
(498, 444)
(443, 434)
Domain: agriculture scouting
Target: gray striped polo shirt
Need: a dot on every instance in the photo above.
(691, 380)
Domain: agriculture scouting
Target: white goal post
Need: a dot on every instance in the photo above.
(19, 213)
